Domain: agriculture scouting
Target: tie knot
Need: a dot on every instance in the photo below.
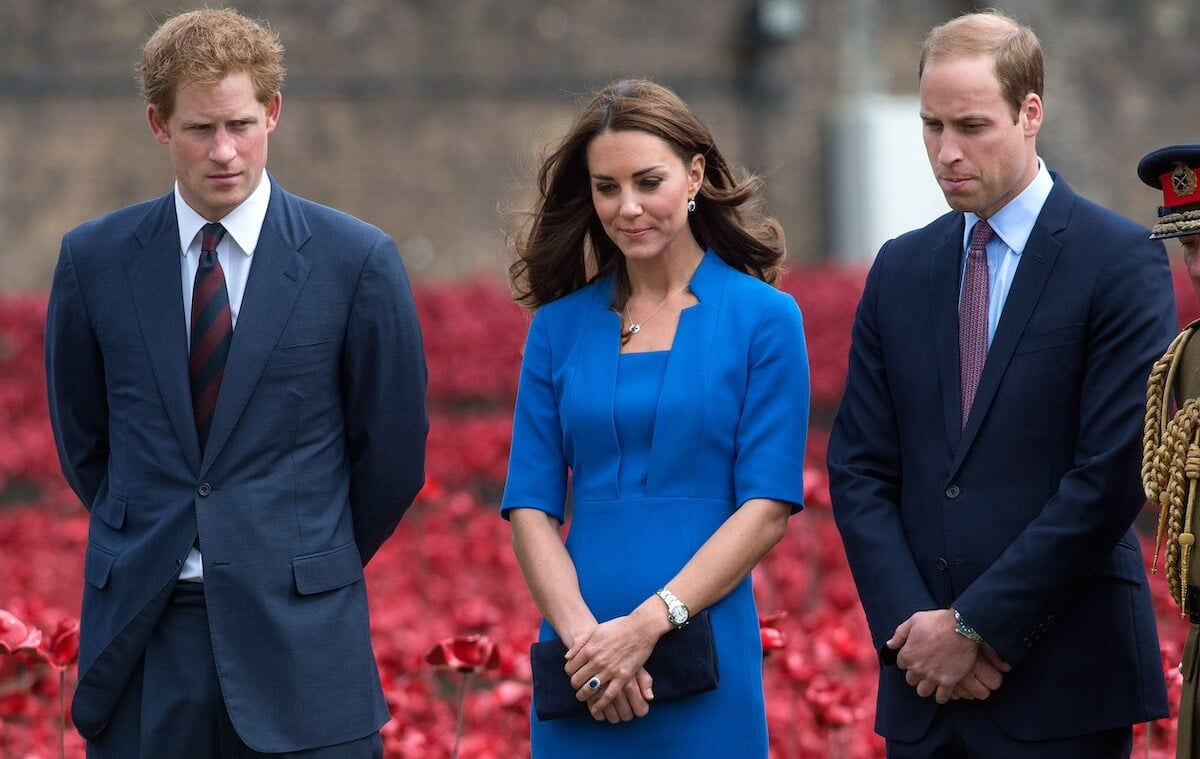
(210, 237)
(980, 236)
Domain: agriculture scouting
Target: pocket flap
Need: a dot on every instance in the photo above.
(1054, 338)
(285, 355)
(111, 511)
(319, 572)
(1125, 563)
(97, 564)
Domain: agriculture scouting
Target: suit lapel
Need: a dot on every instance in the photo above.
(154, 279)
(944, 275)
(277, 274)
(1033, 271)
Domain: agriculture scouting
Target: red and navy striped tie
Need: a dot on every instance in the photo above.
(973, 316)
(212, 331)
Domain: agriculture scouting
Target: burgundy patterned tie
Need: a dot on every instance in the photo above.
(973, 316)
(212, 331)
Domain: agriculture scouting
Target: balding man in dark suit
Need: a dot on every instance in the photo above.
(984, 461)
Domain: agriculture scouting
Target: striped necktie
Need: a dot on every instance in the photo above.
(973, 316)
(211, 329)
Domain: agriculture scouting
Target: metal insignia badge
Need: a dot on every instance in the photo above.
(1183, 179)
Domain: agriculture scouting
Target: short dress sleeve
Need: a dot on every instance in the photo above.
(537, 467)
(772, 431)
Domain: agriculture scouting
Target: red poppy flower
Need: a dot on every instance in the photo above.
(465, 653)
(16, 636)
(773, 639)
(61, 649)
(832, 704)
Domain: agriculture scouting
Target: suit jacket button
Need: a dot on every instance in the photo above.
(204, 489)
(953, 491)
(942, 565)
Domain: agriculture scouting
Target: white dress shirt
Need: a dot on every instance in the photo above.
(235, 251)
(1012, 224)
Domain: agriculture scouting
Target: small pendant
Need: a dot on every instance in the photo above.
(634, 329)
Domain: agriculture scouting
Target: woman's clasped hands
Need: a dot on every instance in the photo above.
(605, 664)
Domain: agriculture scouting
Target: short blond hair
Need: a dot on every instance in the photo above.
(203, 47)
(1013, 47)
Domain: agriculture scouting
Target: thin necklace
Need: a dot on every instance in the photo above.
(636, 327)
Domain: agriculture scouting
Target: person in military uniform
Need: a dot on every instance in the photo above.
(1171, 457)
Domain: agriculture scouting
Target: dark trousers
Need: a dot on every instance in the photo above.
(1188, 742)
(172, 706)
(962, 731)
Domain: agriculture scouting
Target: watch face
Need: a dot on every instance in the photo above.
(677, 611)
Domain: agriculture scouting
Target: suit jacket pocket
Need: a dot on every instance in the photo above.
(1054, 338)
(111, 510)
(1124, 563)
(97, 565)
(305, 353)
(328, 570)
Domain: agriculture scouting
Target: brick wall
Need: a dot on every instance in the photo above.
(426, 117)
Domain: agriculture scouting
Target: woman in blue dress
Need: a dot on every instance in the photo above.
(665, 384)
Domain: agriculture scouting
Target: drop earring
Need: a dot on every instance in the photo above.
(691, 206)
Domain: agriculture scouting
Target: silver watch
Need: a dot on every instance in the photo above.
(677, 611)
(965, 630)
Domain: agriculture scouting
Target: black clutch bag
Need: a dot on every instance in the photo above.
(683, 663)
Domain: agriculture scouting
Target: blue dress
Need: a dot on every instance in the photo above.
(659, 449)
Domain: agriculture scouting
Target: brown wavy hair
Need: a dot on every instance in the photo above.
(203, 47)
(567, 247)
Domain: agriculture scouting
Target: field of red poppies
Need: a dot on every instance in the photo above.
(452, 621)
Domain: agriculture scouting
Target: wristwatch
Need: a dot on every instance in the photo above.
(677, 611)
(965, 630)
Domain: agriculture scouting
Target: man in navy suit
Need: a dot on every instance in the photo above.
(984, 462)
(237, 389)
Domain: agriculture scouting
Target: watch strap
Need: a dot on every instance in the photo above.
(677, 611)
(965, 630)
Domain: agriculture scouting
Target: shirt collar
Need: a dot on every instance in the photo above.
(1013, 223)
(243, 224)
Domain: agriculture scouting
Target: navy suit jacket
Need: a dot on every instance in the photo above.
(316, 450)
(1021, 520)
